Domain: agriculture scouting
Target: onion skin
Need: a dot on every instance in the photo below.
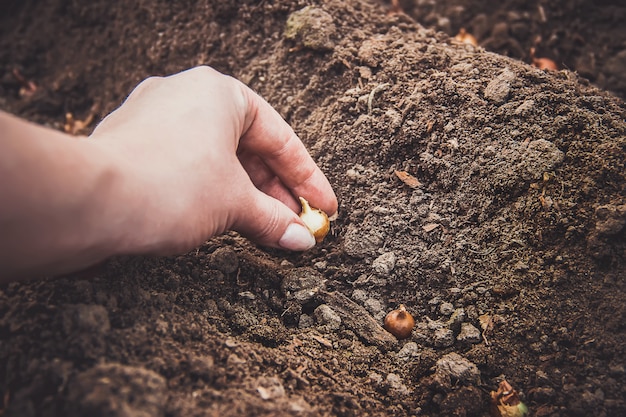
(399, 323)
(315, 220)
(465, 37)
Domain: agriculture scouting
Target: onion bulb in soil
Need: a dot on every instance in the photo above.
(399, 322)
(315, 220)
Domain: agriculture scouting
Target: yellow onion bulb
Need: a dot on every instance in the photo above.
(315, 220)
(399, 322)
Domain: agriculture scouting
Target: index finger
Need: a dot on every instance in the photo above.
(269, 136)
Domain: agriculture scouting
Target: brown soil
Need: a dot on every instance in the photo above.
(506, 241)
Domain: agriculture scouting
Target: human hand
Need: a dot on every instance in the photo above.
(202, 154)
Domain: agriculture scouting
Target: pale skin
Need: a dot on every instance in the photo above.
(185, 158)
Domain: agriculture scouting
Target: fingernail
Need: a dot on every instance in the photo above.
(297, 237)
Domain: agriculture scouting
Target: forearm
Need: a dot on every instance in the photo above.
(56, 194)
(185, 157)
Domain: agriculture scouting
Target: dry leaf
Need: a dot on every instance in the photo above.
(430, 227)
(408, 179)
(486, 322)
(324, 342)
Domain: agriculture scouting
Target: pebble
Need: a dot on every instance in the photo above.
(458, 368)
(610, 219)
(384, 264)
(456, 319)
(540, 156)
(202, 367)
(443, 338)
(302, 284)
(374, 306)
(357, 319)
(408, 351)
(305, 321)
(270, 388)
(371, 51)
(499, 88)
(224, 260)
(468, 334)
(359, 296)
(85, 318)
(395, 383)
(116, 390)
(312, 27)
(542, 394)
(525, 108)
(446, 308)
(326, 316)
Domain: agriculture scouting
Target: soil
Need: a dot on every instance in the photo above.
(486, 195)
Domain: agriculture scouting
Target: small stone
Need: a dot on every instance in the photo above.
(443, 337)
(225, 260)
(305, 321)
(458, 368)
(468, 334)
(409, 350)
(525, 108)
(356, 318)
(85, 318)
(384, 264)
(374, 306)
(312, 27)
(321, 265)
(456, 319)
(446, 308)
(201, 367)
(270, 388)
(434, 301)
(499, 88)
(327, 316)
(302, 284)
(359, 295)
(610, 219)
(395, 383)
(116, 390)
(542, 394)
(372, 50)
(365, 72)
(375, 378)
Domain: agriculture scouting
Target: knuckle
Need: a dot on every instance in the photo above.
(145, 86)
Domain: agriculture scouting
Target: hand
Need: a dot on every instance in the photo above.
(202, 154)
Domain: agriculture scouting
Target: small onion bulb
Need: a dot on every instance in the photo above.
(465, 37)
(315, 220)
(399, 322)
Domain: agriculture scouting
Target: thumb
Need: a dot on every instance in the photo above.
(269, 222)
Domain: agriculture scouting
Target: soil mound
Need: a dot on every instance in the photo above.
(487, 196)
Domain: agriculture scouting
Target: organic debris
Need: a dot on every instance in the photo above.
(486, 324)
(408, 179)
(74, 126)
(505, 402)
(28, 87)
(464, 37)
(542, 63)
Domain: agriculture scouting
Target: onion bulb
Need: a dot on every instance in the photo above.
(399, 322)
(315, 220)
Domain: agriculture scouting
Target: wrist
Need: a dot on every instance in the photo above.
(117, 220)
